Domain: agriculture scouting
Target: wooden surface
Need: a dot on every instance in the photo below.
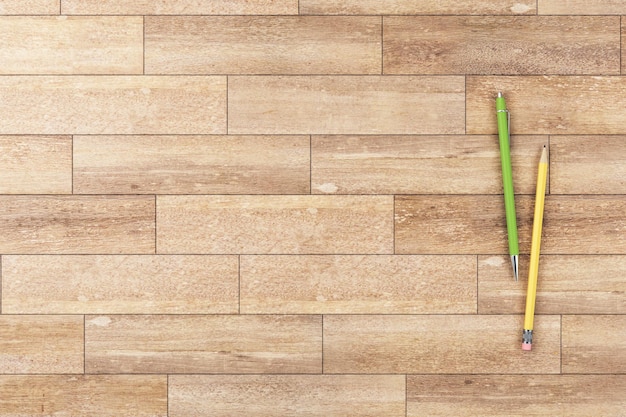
(294, 208)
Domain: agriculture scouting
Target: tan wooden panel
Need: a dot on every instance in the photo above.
(548, 104)
(203, 344)
(41, 344)
(71, 45)
(594, 344)
(439, 344)
(112, 104)
(84, 395)
(428, 7)
(12, 7)
(187, 7)
(567, 284)
(263, 45)
(70, 224)
(421, 164)
(321, 284)
(120, 284)
(287, 395)
(515, 396)
(346, 104)
(592, 7)
(502, 45)
(275, 224)
(35, 164)
(192, 164)
(588, 164)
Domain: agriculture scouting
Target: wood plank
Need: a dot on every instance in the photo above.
(567, 284)
(406, 164)
(275, 224)
(286, 395)
(581, 7)
(41, 344)
(512, 396)
(263, 45)
(525, 45)
(186, 7)
(438, 344)
(594, 344)
(203, 344)
(35, 164)
(548, 104)
(458, 224)
(192, 164)
(321, 284)
(426, 7)
(346, 105)
(15, 7)
(112, 105)
(76, 224)
(120, 284)
(588, 164)
(84, 395)
(71, 45)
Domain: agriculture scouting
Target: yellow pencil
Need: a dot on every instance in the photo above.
(529, 318)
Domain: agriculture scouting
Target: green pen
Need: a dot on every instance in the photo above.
(504, 133)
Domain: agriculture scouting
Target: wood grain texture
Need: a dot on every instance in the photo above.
(346, 105)
(71, 45)
(70, 224)
(35, 164)
(438, 344)
(180, 7)
(523, 45)
(321, 284)
(112, 105)
(275, 224)
(581, 7)
(287, 395)
(420, 164)
(41, 344)
(191, 164)
(263, 45)
(203, 344)
(588, 164)
(509, 395)
(427, 7)
(594, 344)
(88, 395)
(16, 7)
(120, 284)
(548, 104)
(567, 284)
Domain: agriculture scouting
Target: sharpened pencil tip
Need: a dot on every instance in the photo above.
(515, 263)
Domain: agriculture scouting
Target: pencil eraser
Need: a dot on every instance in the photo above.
(527, 346)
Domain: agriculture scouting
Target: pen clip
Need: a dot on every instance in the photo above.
(508, 123)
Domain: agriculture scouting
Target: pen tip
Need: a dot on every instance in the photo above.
(499, 94)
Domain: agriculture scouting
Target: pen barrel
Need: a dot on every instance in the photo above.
(507, 177)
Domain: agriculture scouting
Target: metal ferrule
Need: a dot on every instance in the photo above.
(527, 337)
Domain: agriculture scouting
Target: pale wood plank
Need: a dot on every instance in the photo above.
(459, 224)
(287, 395)
(84, 395)
(120, 284)
(346, 105)
(263, 45)
(275, 224)
(41, 344)
(35, 164)
(16, 7)
(71, 45)
(427, 7)
(203, 344)
(594, 344)
(321, 284)
(112, 104)
(192, 164)
(438, 344)
(523, 45)
(186, 7)
(70, 224)
(514, 396)
(567, 284)
(588, 164)
(420, 164)
(581, 7)
(548, 104)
